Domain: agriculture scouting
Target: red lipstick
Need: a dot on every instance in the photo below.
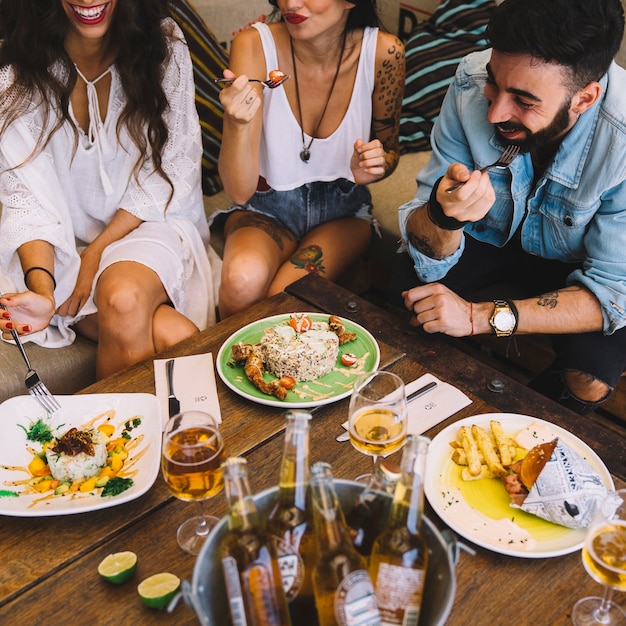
(294, 18)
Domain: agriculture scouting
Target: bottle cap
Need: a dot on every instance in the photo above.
(389, 469)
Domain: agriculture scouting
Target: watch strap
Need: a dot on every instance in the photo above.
(511, 306)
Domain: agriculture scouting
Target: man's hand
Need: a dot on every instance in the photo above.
(470, 202)
(437, 309)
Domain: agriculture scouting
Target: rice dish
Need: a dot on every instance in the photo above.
(303, 356)
(67, 467)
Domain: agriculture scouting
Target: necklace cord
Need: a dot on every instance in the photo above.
(306, 152)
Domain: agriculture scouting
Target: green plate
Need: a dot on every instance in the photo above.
(331, 387)
(480, 510)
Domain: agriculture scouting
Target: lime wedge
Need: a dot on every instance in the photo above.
(119, 567)
(157, 591)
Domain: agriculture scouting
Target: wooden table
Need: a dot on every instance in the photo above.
(48, 573)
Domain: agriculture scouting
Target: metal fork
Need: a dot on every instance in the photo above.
(34, 384)
(506, 158)
(272, 84)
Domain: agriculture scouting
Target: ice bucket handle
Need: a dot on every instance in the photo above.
(186, 592)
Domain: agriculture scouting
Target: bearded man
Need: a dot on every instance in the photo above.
(550, 230)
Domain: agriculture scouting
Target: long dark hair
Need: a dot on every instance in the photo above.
(365, 13)
(582, 35)
(33, 33)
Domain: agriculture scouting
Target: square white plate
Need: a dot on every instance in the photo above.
(76, 411)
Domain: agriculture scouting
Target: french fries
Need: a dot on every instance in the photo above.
(483, 453)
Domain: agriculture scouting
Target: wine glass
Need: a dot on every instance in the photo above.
(604, 558)
(193, 451)
(378, 414)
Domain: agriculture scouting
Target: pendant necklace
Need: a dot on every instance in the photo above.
(305, 153)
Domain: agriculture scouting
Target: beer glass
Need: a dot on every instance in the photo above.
(191, 456)
(378, 414)
(604, 558)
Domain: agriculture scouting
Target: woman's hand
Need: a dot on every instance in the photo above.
(240, 98)
(26, 313)
(89, 263)
(368, 161)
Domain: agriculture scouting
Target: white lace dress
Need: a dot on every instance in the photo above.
(67, 194)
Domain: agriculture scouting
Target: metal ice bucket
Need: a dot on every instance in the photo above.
(207, 594)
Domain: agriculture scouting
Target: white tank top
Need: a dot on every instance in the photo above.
(281, 139)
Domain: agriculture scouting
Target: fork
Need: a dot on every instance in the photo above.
(506, 158)
(272, 84)
(34, 384)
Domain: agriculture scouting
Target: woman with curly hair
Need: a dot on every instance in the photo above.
(103, 230)
(296, 160)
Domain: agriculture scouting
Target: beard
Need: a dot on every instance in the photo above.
(542, 137)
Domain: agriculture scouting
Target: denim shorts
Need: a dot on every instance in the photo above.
(301, 210)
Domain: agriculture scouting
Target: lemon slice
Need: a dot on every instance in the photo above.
(157, 591)
(119, 567)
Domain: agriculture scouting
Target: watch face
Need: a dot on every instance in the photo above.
(504, 320)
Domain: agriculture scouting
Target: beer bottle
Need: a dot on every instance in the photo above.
(251, 571)
(290, 524)
(344, 593)
(368, 516)
(400, 554)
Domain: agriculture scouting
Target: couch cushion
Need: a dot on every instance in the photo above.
(209, 61)
(63, 370)
(433, 51)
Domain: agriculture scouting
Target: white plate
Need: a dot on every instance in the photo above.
(76, 411)
(471, 508)
(335, 385)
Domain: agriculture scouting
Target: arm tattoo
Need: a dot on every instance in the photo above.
(422, 243)
(548, 300)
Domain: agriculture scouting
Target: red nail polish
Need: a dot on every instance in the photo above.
(9, 325)
(26, 329)
(6, 315)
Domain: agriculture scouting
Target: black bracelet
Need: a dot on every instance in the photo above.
(43, 269)
(436, 214)
(515, 314)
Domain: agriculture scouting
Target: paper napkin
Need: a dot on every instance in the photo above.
(434, 406)
(194, 385)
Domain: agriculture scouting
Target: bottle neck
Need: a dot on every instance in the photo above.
(330, 525)
(294, 469)
(408, 504)
(408, 499)
(242, 511)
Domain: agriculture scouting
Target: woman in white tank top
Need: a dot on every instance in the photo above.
(296, 160)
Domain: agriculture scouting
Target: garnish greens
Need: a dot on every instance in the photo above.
(116, 485)
(5, 493)
(39, 431)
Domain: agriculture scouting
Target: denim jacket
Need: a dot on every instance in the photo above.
(577, 210)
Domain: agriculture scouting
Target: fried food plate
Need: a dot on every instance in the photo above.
(335, 385)
(479, 509)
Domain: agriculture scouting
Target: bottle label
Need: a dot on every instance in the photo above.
(233, 590)
(260, 595)
(399, 594)
(292, 573)
(355, 601)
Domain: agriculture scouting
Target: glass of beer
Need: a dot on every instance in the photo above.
(191, 456)
(378, 413)
(604, 558)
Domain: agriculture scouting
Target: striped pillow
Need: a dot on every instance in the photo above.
(209, 59)
(433, 51)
